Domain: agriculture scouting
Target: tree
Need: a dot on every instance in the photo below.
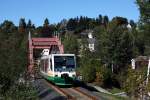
(8, 27)
(134, 84)
(144, 25)
(144, 7)
(105, 20)
(22, 25)
(62, 25)
(13, 59)
(100, 19)
(114, 48)
(29, 24)
(117, 43)
(88, 72)
(46, 23)
(87, 68)
(13, 62)
(99, 32)
(70, 43)
(133, 24)
(72, 24)
(47, 30)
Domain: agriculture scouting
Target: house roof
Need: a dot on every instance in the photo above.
(86, 32)
(142, 58)
(91, 40)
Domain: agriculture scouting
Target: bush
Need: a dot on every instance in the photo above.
(88, 73)
(21, 92)
(135, 83)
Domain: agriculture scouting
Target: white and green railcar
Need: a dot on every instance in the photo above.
(58, 68)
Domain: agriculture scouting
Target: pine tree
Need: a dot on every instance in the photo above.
(47, 30)
(22, 25)
(29, 24)
(106, 20)
(100, 19)
(46, 23)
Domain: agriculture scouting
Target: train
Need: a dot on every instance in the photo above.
(59, 69)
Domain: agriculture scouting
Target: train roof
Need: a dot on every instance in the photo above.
(48, 56)
(63, 54)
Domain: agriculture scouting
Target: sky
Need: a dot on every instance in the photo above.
(56, 10)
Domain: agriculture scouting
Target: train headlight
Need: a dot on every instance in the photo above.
(70, 70)
(73, 75)
(56, 75)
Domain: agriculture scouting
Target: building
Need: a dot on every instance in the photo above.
(91, 42)
(88, 34)
(139, 61)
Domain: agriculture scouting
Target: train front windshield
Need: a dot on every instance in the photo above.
(64, 63)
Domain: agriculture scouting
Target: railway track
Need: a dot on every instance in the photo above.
(73, 93)
(61, 91)
(79, 94)
(91, 97)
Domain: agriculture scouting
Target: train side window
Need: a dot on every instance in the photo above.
(46, 64)
(42, 65)
(50, 64)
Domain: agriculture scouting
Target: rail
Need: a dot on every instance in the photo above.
(86, 94)
(74, 93)
(61, 91)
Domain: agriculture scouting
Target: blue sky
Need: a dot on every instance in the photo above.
(56, 10)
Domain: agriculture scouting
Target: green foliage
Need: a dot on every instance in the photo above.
(80, 24)
(7, 27)
(30, 27)
(144, 26)
(13, 62)
(103, 75)
(46, 23)
(105, 21)
(134, 84)
(72, 24)
(88, 72)
(70, 43)
(90, 68)
(22, 25)
(21, 92)
(144, 7)
(115, 44)
(148, 85)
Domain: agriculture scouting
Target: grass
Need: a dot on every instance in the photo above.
(113, 97)
(115, 90)
(105, 96)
